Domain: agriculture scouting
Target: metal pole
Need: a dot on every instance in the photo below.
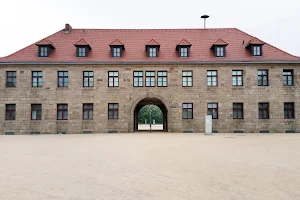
(204, 23)
(150, 118)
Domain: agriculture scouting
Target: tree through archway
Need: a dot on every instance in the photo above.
(158, 112)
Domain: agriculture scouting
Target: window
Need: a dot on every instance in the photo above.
(113, 79)
(237, 77)
(220, 51)
(212, 79)
(212, 109)
(187, 78)
(183, 52)
(263, 110)
(138, 79)
(187, 111)
(152, 52)
(10, 113)
(162, 79)
(113, 111)
(62, 111)
(36, 111)
(116, 52)
(289, 110)
(87, 111)
(238, 112)
(11, 79)
(82, 51)
(150, 79)
(263, 77)
(63, 79)
(288, 77)
(88, 79)
(256, 50)
(43, 51)
(37, 79)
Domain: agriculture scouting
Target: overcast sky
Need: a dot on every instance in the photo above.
(23, 22)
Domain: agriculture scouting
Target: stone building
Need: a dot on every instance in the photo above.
(96, 80)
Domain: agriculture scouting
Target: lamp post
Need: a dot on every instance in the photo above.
(204, 17)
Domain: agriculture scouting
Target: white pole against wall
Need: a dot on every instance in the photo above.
(208, 125)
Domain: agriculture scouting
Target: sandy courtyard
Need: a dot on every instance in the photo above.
(150, 166)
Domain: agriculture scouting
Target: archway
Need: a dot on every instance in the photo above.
(151, 101)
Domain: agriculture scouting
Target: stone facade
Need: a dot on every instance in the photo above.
(128, 97)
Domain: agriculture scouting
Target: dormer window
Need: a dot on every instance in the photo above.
(152, 52)
(256, 50)
(255, 47)
(43, 51)
(82, 51)
(183, 52)
(183, 49)
(152, 48)
(116, 52)
(44, 48)
(219, 48)
(117, 48)
(220, 51)
(82, 48)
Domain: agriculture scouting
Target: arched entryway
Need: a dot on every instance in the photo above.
(151, 101)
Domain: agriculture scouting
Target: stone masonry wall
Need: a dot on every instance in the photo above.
(128, 96)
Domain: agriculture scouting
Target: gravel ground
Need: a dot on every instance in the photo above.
(150, 166)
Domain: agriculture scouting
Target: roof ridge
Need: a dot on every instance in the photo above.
(154, 29)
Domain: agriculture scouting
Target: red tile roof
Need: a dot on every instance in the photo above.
(135, 40)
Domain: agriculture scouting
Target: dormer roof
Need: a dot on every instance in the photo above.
(45, 42)
(117, 43)
(184, 42)
(219, 42)
(82, 42)
(255, 41)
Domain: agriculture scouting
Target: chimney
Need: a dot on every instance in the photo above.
(68, 28)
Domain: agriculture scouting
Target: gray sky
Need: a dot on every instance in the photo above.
(24, 22)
